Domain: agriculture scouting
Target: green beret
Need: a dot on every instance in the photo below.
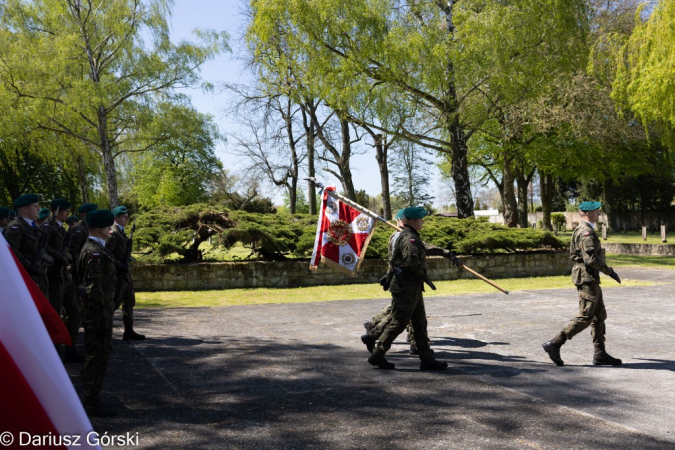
(4, 212)
(100, 218)
(119, 211)
(44, 213)
(25, 200)
(87, 207)
(415, 212)
(590, 206)
(12, 214)
(61, 204)
(72, 219)
(399, 214)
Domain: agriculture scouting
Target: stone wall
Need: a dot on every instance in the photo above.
(179, 277)
(640, 249)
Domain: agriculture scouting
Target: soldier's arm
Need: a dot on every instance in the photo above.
(93, 282)
(593, 258)
(13, 237)
(111, 244)
(75, 242)
(412, 261)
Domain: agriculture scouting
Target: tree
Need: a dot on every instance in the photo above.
(645, 65)
(411, 175)
(83, 70)
(177, 170)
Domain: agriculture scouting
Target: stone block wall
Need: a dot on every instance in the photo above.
(640, 249)
(227, 275)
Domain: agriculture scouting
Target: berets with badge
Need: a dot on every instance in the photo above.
(25, 200)
(4, 212)
(44, 213)
(590, 206)
(87, 208)
(119, 211)
(415, 212)
(61, 204)
(100, 218)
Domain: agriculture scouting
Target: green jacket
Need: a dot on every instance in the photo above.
(96, 269)
(586, 252)
(409, 257)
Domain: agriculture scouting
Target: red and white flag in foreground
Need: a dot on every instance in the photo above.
(37, 398)
(342, 235)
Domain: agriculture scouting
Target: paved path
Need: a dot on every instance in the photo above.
(295, 376)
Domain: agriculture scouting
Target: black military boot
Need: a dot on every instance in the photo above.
(130, 334)
(96, 408)
(369, 342)
(72, 356)
(602, 358)
(415, 352)
(552, 347)
(377, 359)
(432, 364)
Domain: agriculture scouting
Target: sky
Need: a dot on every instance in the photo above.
(228, 15)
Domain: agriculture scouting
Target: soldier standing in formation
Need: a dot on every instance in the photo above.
(43, 215)
(586, 252)
(96, 269)
(56, 272)
(4, 218)
(23, 237)
(409, 267)
(120, 246)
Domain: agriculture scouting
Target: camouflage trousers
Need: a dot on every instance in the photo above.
(97, 345)
(125, 297)
(380, 321)
(407, 307)
(71, 309)
(591, 312)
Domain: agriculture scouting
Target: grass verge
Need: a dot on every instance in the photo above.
(256, 296)
(653, 262)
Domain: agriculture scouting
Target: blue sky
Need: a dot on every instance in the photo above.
(228, 15)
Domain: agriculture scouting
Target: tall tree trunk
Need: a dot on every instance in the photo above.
(458, 146)
(381, 155)
(546, 188)
(343, 163)
(108, 158)
(509, 196)
(608, 205)
(294, 170)
(310, 134)
(523, 182)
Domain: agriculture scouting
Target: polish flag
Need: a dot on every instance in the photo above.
(342, 235)
(37, 398)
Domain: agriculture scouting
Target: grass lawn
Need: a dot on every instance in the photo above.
(654, 262)
(257, 296)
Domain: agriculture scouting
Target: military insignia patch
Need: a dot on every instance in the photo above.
(413, 240)
(587, 234)
(95, 255)
(15, 228)
(79, 231)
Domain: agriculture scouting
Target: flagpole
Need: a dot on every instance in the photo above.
(371, 214)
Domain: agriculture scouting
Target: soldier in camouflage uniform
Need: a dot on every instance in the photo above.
(43, 216)
(23, 236)
(409, 268)
(119, 245)
(586, 252)
(96, 270)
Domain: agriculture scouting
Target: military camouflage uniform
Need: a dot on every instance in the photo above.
(118, 244)
(586, 252)
(77, 237)
(407, 304)
(56, 272)
(96, 269)
(25, 242)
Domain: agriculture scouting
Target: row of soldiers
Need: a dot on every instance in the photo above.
(83, 272)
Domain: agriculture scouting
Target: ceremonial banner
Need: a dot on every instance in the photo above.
(342, 235)
(37, 400)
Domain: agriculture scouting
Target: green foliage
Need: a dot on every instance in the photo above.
(560, 220)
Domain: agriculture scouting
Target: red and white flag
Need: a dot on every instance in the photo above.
(342, 235)
(37, 398)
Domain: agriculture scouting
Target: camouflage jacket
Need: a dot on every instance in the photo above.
(24, 240)
(57, 236)
(586, 252)
(96, 269)
(408, 255)
(77, 236)
(118, 244)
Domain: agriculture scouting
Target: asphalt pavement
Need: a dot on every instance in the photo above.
(295, 376)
